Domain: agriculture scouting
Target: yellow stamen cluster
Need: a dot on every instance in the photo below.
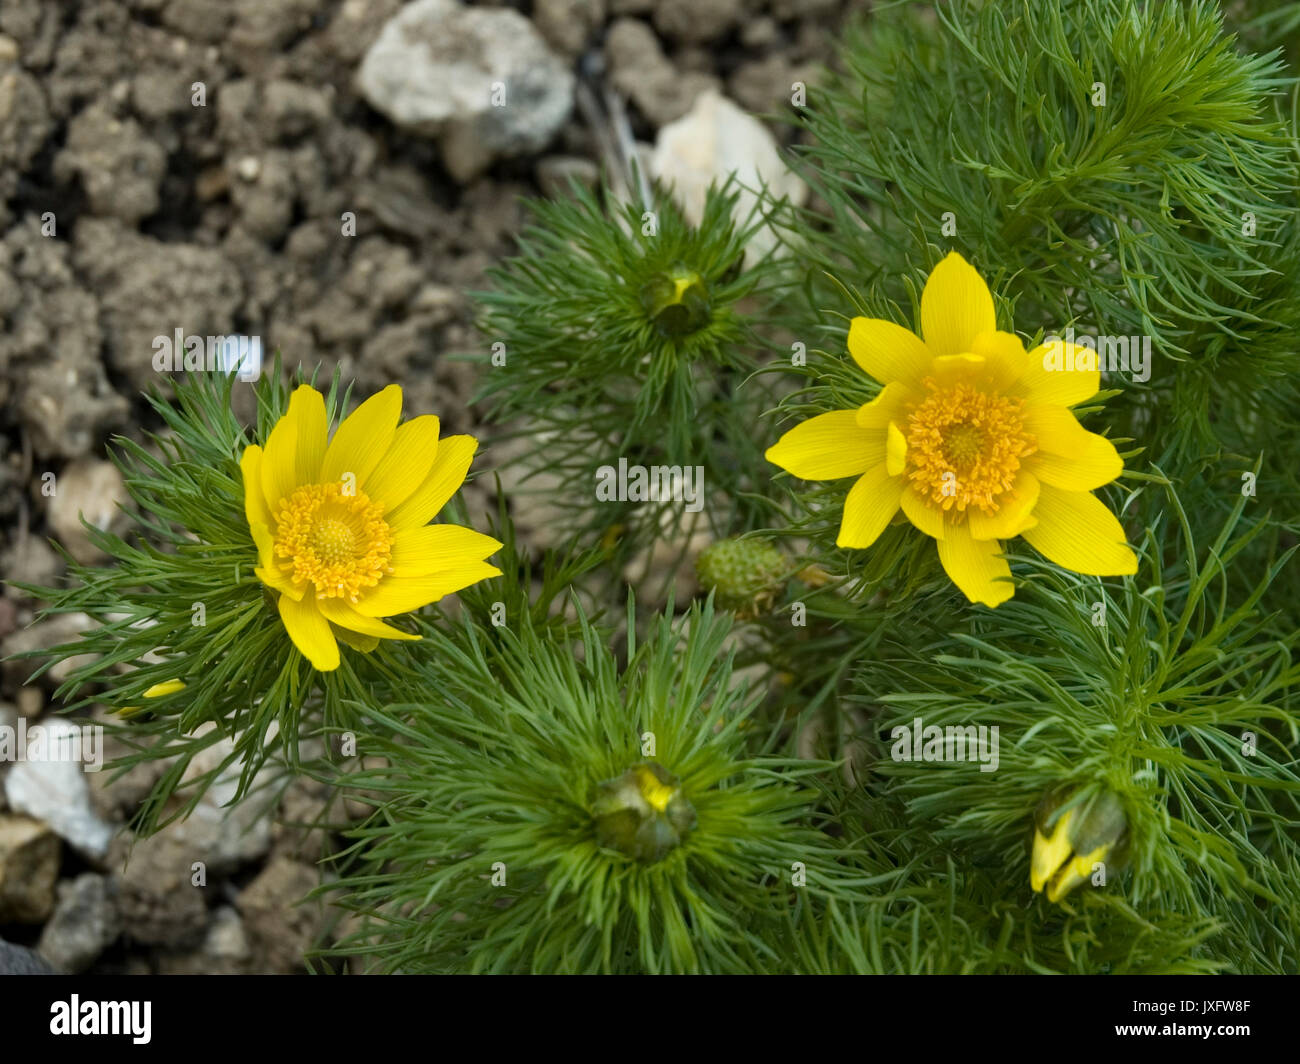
(964, 446)
(338, 542)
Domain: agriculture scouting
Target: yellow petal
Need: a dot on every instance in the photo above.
(450, 465)
(888, 352)
(295, 446)
(1060, 373)
(895, 450)
(1077, 532)
(310, 632)
(926, 517)
(342, 615)
(1050, 851)
(397, 594)
(956, 306)
(1005, 357)
(407, 463)
(1047, 379)
(363, 438)
(1015, 512)
(167, 687)
(255, 508)
(269, 572)
(964, 366)
(869, 507)
(975, 567)
(265, 544)
(1068, 455)
(827, 447)
(311, 426)
(438, 548)
(1078, 871)
(357, 641)
(889, 405)
(279, 466)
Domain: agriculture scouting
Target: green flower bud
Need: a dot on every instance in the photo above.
(643, 813)
(1083, 835)
(743, 574)
(677, 301)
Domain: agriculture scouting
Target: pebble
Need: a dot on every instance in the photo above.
(480, 80)
(86, 922)
(717, 140)
(57, 793)
(29, 867)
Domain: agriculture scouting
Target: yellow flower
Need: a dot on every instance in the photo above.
(342, 525)
(972, 437)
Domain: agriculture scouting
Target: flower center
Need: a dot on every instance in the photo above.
(339, 543)
(964, 446)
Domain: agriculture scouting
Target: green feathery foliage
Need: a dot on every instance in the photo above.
(1112, 166)
(1165, 689)
(621, 331)
(483, 853)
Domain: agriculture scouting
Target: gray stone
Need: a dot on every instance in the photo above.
(696, 21)
(165, 878)
(280, 923)
(86, 922)
(220, 832)
(32, 560)
(18, 960)
(482, 81)
(223, 951)
(639, 69)
(569, 25)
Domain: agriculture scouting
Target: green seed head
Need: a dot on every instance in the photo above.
(744, 574)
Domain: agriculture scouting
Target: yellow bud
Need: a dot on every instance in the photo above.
(1082, 836)
(643, 813)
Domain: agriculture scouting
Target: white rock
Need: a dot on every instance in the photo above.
(226, 938)
(714, 141)
(481, 80)
(57, 792)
